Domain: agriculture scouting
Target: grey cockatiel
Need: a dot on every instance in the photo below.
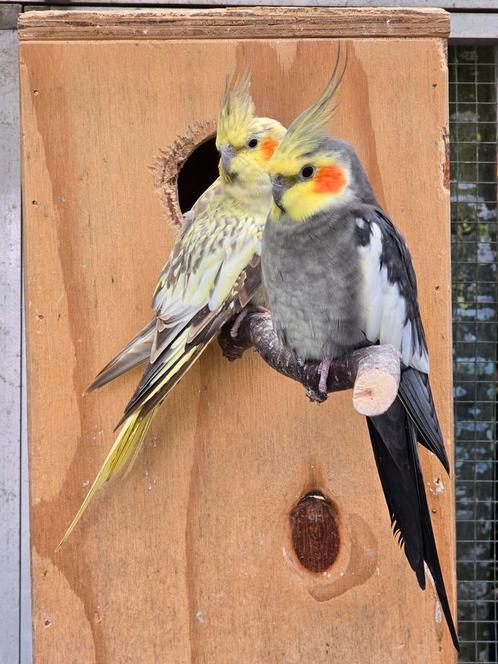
(338, 275)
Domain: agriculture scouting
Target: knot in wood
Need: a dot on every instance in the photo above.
(315, 531)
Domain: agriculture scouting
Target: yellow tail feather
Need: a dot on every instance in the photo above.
(120, 459)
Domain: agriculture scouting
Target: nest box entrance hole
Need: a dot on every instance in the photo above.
(197, 173)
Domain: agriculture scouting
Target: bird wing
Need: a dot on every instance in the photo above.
(416, 396)
(391, 315)
(213, 249)
(389, 302)
(136, 351)
(213, 272)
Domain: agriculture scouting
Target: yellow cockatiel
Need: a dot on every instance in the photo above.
(212, 272)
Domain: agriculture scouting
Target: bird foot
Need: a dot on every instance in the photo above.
(315, 396)
(319, 395)
(232, 338)
(234, 331)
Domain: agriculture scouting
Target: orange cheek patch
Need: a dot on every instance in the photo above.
(329, 180)
(268, 147)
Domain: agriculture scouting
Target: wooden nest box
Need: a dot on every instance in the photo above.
(204, 553)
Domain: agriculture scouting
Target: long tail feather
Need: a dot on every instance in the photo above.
(120, 460)
(171, 378)
(394, 441)
(397, 483)
(134, 353)
(430, 550)
(161, 377)
(135, 424)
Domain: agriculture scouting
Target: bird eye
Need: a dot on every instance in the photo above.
(307, 172)
(252, 143)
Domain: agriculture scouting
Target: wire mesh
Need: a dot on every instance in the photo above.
(473, 135)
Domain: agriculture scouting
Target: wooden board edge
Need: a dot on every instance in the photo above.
(233, 23)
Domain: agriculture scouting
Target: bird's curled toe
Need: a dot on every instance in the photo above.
(315, 396)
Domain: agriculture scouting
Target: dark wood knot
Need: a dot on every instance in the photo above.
(315, 531)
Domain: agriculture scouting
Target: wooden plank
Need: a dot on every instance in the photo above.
(10, 347)
(236, 23)
(190, 558)
(475, 5)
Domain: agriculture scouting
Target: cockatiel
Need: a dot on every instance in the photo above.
(338, 275)
(212, 272)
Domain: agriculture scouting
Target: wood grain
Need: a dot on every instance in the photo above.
(234, 23)
(190, 558)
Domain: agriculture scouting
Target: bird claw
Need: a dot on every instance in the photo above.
(315, 396)
(234, 331)
(318, 395)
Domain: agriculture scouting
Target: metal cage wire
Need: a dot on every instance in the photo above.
(473, 134)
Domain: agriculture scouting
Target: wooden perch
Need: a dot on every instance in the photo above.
(373, 372)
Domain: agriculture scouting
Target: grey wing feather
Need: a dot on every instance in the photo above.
(133, 354)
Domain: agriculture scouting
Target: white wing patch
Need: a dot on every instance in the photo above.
(384, 308)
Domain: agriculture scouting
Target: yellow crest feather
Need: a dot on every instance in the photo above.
(237, 110)
(306, 132)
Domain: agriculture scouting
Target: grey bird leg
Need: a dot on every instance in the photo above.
(324, 369)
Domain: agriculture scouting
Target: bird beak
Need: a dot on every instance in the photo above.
(277, 191)
(227, 153)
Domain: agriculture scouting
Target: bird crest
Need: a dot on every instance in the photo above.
(306, 133)
(236, 112)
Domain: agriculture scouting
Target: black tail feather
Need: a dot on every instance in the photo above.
(394, 441)
(399, 491)
(430, 550)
